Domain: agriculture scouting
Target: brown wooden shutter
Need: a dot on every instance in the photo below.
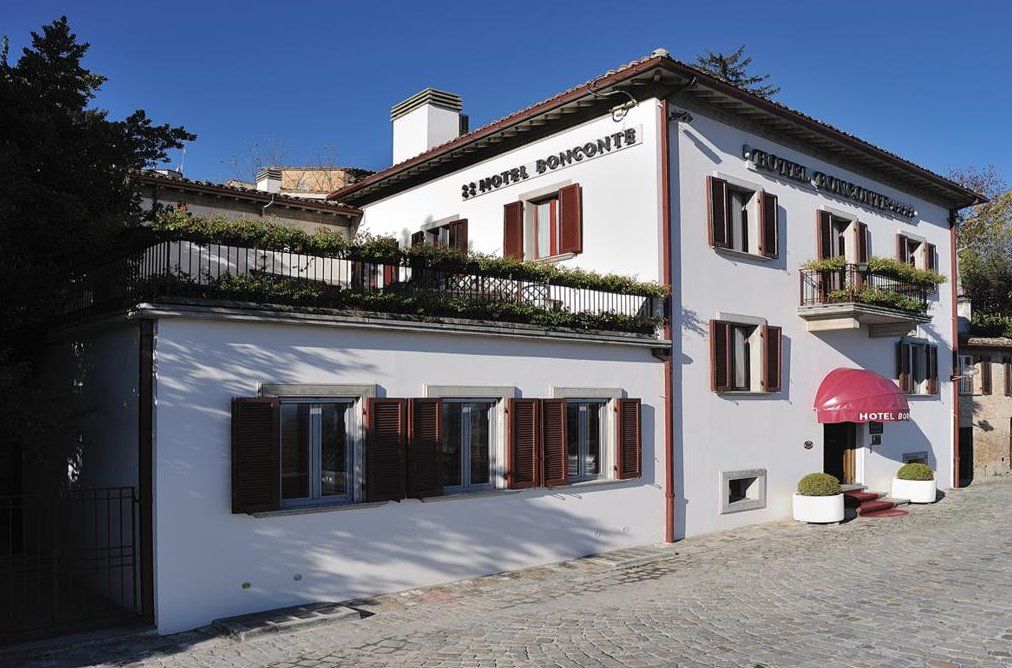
(862, 243)
(985, 374)
(418, 239)
(720, 359)
(458, 235)
(932, 370)
(929, 256)
(384, 451)
(903, 375)
(768, 233)
(256, 454)
(901, 248)
(1008, 376)
(390, 274)
(513, 230)
(824, 234)
(554, 442)
(628, 439)
(772, 360)
(523, 446)
(425, 447)
(716, 212)
(571, 219)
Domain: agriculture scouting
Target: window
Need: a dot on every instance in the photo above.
(915, 252)
(584, 434)
(920, 457)
(742, 219)
(984, 362)
(745, 357)
(452, 234)
(547, 226)
(965, 381)
(917, 367)
(315, 450)
(742, 490)
(467, 444)
(839, 236)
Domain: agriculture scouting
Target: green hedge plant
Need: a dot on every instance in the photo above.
(915, 471)
(884, 266)
(818, 484)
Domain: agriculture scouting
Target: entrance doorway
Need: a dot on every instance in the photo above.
(838, 451)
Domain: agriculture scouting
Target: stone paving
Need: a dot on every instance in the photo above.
(933, 588)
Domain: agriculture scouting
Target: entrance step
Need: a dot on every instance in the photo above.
(895, 501)
(857, 497)
(294, 618)
(850, 487)
(867, 507)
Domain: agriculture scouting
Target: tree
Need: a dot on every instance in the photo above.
(733, 68)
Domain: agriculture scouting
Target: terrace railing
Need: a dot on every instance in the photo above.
(857, 284)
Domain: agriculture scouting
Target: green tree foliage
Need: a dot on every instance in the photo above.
(733, 68)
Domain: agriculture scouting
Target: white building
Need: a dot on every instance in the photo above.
(286, 455)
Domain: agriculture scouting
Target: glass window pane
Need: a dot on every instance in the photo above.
(592, 464)
(543, 215)
(741, 371)
(451, 443)
(294, 451)
(334, 450)
(481, 413)
(738, 211)
(573, 437)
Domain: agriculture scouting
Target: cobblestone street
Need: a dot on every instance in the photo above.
(933, 588)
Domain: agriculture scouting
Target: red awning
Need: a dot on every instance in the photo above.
(856, 395)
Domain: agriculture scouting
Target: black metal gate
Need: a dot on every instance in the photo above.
(68, 562)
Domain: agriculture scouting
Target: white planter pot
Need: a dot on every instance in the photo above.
(818, 509)
(917, 491)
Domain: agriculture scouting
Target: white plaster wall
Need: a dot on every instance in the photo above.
(621, 195)
(423, 128)
(726, 432)
(204, 553)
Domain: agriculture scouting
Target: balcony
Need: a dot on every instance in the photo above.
(398, 286)
(852, 295)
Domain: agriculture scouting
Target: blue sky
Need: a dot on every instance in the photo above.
(318, 78)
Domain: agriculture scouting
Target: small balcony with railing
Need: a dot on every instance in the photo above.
(372, 283)
(841, 296)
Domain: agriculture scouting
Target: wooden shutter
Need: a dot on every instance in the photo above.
(384, 450)
(390, 274)
(418, 239)
(862, 243)
(716, 212)
(513, 230)
(772, 360)
(932, 369)
(824, 234)
(523, 443)
(1008, 376)
(929, 256)
(628, 439)
(554, 442)
(571, 219)
(985, 374)
(458, 235)
(256, 454)
(768, 233)
(425, 447)
(720, 358)
(903, 375)
(901, 248)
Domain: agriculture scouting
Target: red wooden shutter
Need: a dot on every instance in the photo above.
(554, 442)
(824, 234)
(256, 454)
(901, 248)
(929, 256)
(571, 219)
(628, 439)
(384, 451)
(772, 360)
(390, 274)
(862, 243)
(768, 233)
(716, 212)
(523, 443)
(418, 239)
(932, 370)
(513, 230)
(985, 374)
(425, 447)
(903, 375)
(458, 235)
(720, 359)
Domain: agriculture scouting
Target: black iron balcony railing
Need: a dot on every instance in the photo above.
(165, 269)
(855, 283)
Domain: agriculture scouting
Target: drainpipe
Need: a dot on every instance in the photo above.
(953, 280)
(669, 439)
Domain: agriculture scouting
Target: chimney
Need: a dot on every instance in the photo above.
(269, 180)
(424, 120)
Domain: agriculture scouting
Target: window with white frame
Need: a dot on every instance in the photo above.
(468, 444)
(966, 380)
(917, 363)
(316, 450)
(745, 356)
(585, 438)
(742, 218)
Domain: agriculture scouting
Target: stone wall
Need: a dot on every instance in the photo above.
(989, 415)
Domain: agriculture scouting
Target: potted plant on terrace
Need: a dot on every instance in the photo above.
(915, 482)
(819, 499)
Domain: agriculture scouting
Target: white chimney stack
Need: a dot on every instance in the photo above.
(424, 120)
(269, 180)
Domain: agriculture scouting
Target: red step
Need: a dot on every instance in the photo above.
(867, 507)
(891, 512)
(858, 496)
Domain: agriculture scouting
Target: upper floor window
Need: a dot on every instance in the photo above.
(966, 381)
(544, 227)
(917, 367)
(745, 357)
(742, 219)
(916, 252)
(841, 236)
(452, 234)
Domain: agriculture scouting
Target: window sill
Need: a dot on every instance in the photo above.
(319, 508)
(745, 393)
(554, 258)
(476, 494)
(593, 482)
(742, 255)
(934, 395)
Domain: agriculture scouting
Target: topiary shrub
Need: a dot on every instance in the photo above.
(818, 484)
(915, 472)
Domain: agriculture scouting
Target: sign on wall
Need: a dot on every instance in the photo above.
(553, 162)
